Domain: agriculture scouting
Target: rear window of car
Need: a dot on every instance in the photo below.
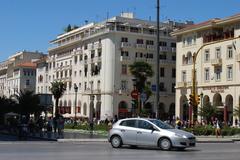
(128, 123)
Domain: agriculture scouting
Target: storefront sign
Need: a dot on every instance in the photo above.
(216, 89)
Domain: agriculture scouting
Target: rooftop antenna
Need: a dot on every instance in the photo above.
(107, 15)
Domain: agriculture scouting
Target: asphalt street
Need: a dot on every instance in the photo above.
(39, 150)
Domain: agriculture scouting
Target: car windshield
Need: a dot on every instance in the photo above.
(161, 124)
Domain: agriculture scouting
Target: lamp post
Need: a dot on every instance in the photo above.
(201, 95)
(194, 85)
(157, 70)
(76, 90)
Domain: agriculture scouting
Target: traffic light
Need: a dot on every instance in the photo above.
(197, 99)
(191, 100)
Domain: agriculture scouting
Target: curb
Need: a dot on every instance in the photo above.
(82, 140)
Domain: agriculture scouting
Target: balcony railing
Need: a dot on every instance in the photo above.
(216, 61)
(140, 46)
(150, 47)
(125, 45)
(124, 58)
(181, 84)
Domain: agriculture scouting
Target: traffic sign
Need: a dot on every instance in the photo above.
(143, 96)
(134, 94)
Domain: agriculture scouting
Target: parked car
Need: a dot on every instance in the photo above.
(149, 132)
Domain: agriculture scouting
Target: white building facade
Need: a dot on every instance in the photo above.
(96, 59)
(217, 66)
(18, 73)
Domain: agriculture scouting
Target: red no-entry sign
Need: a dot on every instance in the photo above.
(134, 94)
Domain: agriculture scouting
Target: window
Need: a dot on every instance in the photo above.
(161, 87)
(144, 125)
(85, 86)
(124, 53)
(218, 74)
(184, 75)
(162, 72)
(27, 82)
(173, 73)
(229, 52)
(149, 42)
(150, 55)
(140, 41)
(75, 59)
(173, 88)
(124, 85)
(206, 56)
(124, 39)
(162, 43)
(163, 55)
(128, 123)
(206, 74)
(229, 72)
(174, 58)
(173, 45)
(66, 73)
(75, 73)
(99, 52)
(92, 54)
(218, 53)
(124, 69)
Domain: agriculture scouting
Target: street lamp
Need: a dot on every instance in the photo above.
(193, 91)
(201, 95)
(76, 90)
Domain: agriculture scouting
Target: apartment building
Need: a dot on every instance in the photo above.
(96, 58)
(217, 65)
(18, 72)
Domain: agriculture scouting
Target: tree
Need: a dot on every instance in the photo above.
(70, 28)
(6, 106)
(27, 103)
(236, 111)
(208, 111)
(58, 88)
(141, 71)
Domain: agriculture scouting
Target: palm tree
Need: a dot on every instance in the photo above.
(141, 71)
(58, 88)
(27, 103)
(208, 111)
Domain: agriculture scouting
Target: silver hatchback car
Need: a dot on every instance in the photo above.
(149, 132)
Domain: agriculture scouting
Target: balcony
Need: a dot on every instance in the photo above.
(124, 58)
(164, 49)
(189, 83)
(173, 49)
(140, 46)
(237, 58)
(167, 62)
(216, 62)
(150, 47)
(125, 45)
(88, 91)
(181, 84)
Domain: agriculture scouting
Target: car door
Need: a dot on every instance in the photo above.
(129, 132)
(145, 134)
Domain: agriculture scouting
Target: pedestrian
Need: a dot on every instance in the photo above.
(178, 123)
(49, 127)
(60, 125)
(55, 124)
(115, 119)
(236, 122)
(217, 126)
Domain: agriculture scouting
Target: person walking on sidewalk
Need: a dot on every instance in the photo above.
(218, 127)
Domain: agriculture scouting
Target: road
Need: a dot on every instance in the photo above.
(38, 150)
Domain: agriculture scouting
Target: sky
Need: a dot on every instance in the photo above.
(31, 24)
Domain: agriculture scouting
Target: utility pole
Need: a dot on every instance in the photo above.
(157, 71)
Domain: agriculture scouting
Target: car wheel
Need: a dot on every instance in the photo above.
(116, 142)
(165, 144)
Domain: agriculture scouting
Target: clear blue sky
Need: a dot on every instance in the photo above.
(31, 24)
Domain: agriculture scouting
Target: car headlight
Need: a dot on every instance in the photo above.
(180, 136)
